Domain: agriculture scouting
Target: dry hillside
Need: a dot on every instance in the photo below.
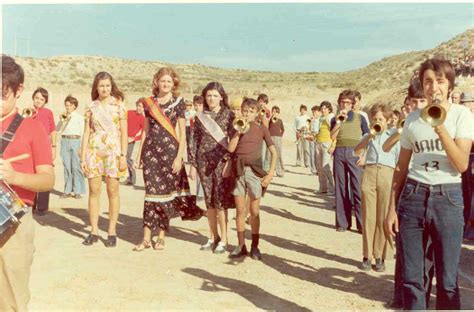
(384, 80)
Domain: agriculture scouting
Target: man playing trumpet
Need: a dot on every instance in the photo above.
(71, 127)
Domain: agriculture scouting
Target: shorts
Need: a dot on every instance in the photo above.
(248, 182)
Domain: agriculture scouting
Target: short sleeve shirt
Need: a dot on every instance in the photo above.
(45, 117)
(250, 143)
(429, 163)
(30, 138)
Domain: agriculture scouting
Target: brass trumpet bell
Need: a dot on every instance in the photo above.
(434, 114)
(376, 128)
(341, 117)
(241, 125)
(27, 112)
(262, 112)
(401, 123)
(64, 117)
(274, 119)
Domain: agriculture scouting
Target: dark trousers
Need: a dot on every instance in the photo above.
(42, 201)
(132, 176)
(436, 213)
(346, 173)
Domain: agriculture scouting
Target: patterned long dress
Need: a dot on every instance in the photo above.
(167, 195)
(207, 155)
(103, 148)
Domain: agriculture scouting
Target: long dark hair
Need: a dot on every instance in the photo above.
(116, 93)
(219, 88)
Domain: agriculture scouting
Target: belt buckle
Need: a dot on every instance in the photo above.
(8, 136)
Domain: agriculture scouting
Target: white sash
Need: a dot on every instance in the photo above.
(213, 128)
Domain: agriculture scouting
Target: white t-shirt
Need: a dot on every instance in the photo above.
(429, 162)
(75, 126)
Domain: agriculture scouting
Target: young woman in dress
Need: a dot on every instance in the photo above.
(103, 151)
(208, 154)
(167, 193)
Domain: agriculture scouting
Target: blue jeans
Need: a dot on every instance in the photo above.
(431, 212)
(73, 178)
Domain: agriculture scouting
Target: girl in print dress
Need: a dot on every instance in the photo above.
(104, 146)
(167, 193)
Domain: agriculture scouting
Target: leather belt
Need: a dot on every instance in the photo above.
(71, 136)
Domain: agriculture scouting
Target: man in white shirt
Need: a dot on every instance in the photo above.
(302, 146)
(431, 202)
(71, 127)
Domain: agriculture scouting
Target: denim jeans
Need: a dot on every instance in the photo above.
(431, 212)
(73, 178)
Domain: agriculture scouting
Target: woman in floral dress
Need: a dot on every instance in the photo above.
(208, 154)
(167, 193)
(104, 146)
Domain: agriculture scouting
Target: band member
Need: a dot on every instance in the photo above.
(198, 103)
(302, 146)
(347, 128)
(208, 154)
(251, 178)
(189, 115)
(324, 148)
(46, 118)
(31, 172)
(71, 127)
(431, 202)
(313, 131)
(375, 188)
(135, 124)
(277, 129)
(235, 106)
(264, 119)
(357, 106)
(103, 154)
(167, 193)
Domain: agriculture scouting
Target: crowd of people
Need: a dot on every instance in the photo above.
(405, 175)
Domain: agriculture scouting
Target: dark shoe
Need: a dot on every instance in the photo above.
(40, 213)
(366, 264)
(238, 252)
(379, 265)
(340, 229)
(396, 304)
(78, 196)
(111, 241)
(91, 239)
(255, 253)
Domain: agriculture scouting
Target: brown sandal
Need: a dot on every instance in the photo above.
(142, 246)
(160, 244)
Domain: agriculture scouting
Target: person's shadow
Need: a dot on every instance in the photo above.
(254, 294)
(360, 283)
(285, 214)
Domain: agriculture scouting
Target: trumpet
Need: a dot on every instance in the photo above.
(376, 128)
(434, 114)
(401, 123)
(241, 125)
(341, 117)
(274, 119)
(262, 112)
(64, 117)
(28, 112)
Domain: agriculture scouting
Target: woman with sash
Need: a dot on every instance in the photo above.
(103, 151)
(208, 154)
(167, 193)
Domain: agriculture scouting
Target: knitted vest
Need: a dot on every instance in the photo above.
(324, 134)
(350, 132)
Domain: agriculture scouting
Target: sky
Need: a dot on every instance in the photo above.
(281, 37)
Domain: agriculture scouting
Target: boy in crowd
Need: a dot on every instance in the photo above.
(71, 127)
(277, 129)
(135, 125)
(347, 128)
(375, 187)
(302, 146)
(314, 129)
(251, 178)
(431, 201)
(31, 172)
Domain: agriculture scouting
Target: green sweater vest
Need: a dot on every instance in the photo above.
(350, 132)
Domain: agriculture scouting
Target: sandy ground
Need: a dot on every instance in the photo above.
(306, 265)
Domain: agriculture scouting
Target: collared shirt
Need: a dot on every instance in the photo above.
(30, 138)
(45, 117)
(75, 125)
(315, 122)
(135, 124)
(376, 155)
(301, 122)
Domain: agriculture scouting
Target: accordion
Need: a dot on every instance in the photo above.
(12, 208)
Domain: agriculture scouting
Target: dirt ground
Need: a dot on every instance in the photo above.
(306, 265)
